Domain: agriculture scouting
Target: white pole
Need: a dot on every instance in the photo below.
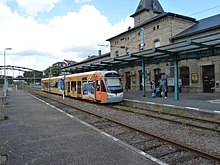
(5, 85)
(4, 88)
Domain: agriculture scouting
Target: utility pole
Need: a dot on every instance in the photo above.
(143, 64)
(5, 80)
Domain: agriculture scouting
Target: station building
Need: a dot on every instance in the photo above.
(155, 28)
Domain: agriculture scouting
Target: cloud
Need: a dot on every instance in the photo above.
(33, 7)
(82, 1)
(74, 36)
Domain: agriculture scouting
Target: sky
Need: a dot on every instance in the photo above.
(43, 32)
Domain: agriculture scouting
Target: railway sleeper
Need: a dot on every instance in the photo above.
(148, 145)
(139, 140)
(148, 149)
(142, 143)
(179, 157)
(135, 140)
(163, 151)
(202, 161)
(126, 136)
(102, 125)
(98, 120)
(183, 159)
(114, 131)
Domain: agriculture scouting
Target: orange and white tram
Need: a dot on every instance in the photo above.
(97, 86)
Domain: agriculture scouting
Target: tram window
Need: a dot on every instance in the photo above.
(78, 87)
(91, 87)
(84, 79)
(68, 86)
(73, 86)
(53, 85)
(45, 85)
(103, 86)
(97, 85)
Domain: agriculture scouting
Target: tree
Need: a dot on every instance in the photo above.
(53, 71)
(30, 74)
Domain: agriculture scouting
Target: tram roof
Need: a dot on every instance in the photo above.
(194, 48)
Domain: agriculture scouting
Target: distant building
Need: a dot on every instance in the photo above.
(64, 63)
(153, 27)
(163, 28)
(69, 62)
(61, 64)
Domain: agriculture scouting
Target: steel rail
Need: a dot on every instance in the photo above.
(175, 115)
(187, 148)
(175, 121)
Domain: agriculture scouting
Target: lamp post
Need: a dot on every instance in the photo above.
(5, 86)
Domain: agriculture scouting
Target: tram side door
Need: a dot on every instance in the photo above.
(101, 93)
(68, 85)
(79, 89)
(91, 90)
(98, 90)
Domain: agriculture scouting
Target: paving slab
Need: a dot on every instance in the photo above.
(36, 133)
(193, 101)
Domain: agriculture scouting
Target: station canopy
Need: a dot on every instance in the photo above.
(195, 48)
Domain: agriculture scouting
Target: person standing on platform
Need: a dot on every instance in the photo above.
(153, 89)
(126, 86)
(164, 86)
(165, 91)
(158, 91)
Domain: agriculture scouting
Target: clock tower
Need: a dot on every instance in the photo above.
(146, 9)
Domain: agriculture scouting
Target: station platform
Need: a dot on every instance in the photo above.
(207, 102)
(37, 133)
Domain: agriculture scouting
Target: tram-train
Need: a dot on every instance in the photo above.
(96, 86)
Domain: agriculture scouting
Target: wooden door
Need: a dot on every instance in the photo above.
(128, 79)
(208, 76)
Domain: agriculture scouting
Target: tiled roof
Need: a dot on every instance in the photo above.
(202, 25)
(153, 5)
(153, 19)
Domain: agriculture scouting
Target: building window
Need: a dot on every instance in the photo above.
(157, 43)
(116, 53)
(156, 27)
(184, 75)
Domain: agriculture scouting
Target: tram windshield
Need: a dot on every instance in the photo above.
(114, 85)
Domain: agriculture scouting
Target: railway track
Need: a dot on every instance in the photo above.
(163, 149)
(201, 123)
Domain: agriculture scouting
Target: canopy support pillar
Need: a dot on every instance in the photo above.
(143, 79)
(176, 80)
